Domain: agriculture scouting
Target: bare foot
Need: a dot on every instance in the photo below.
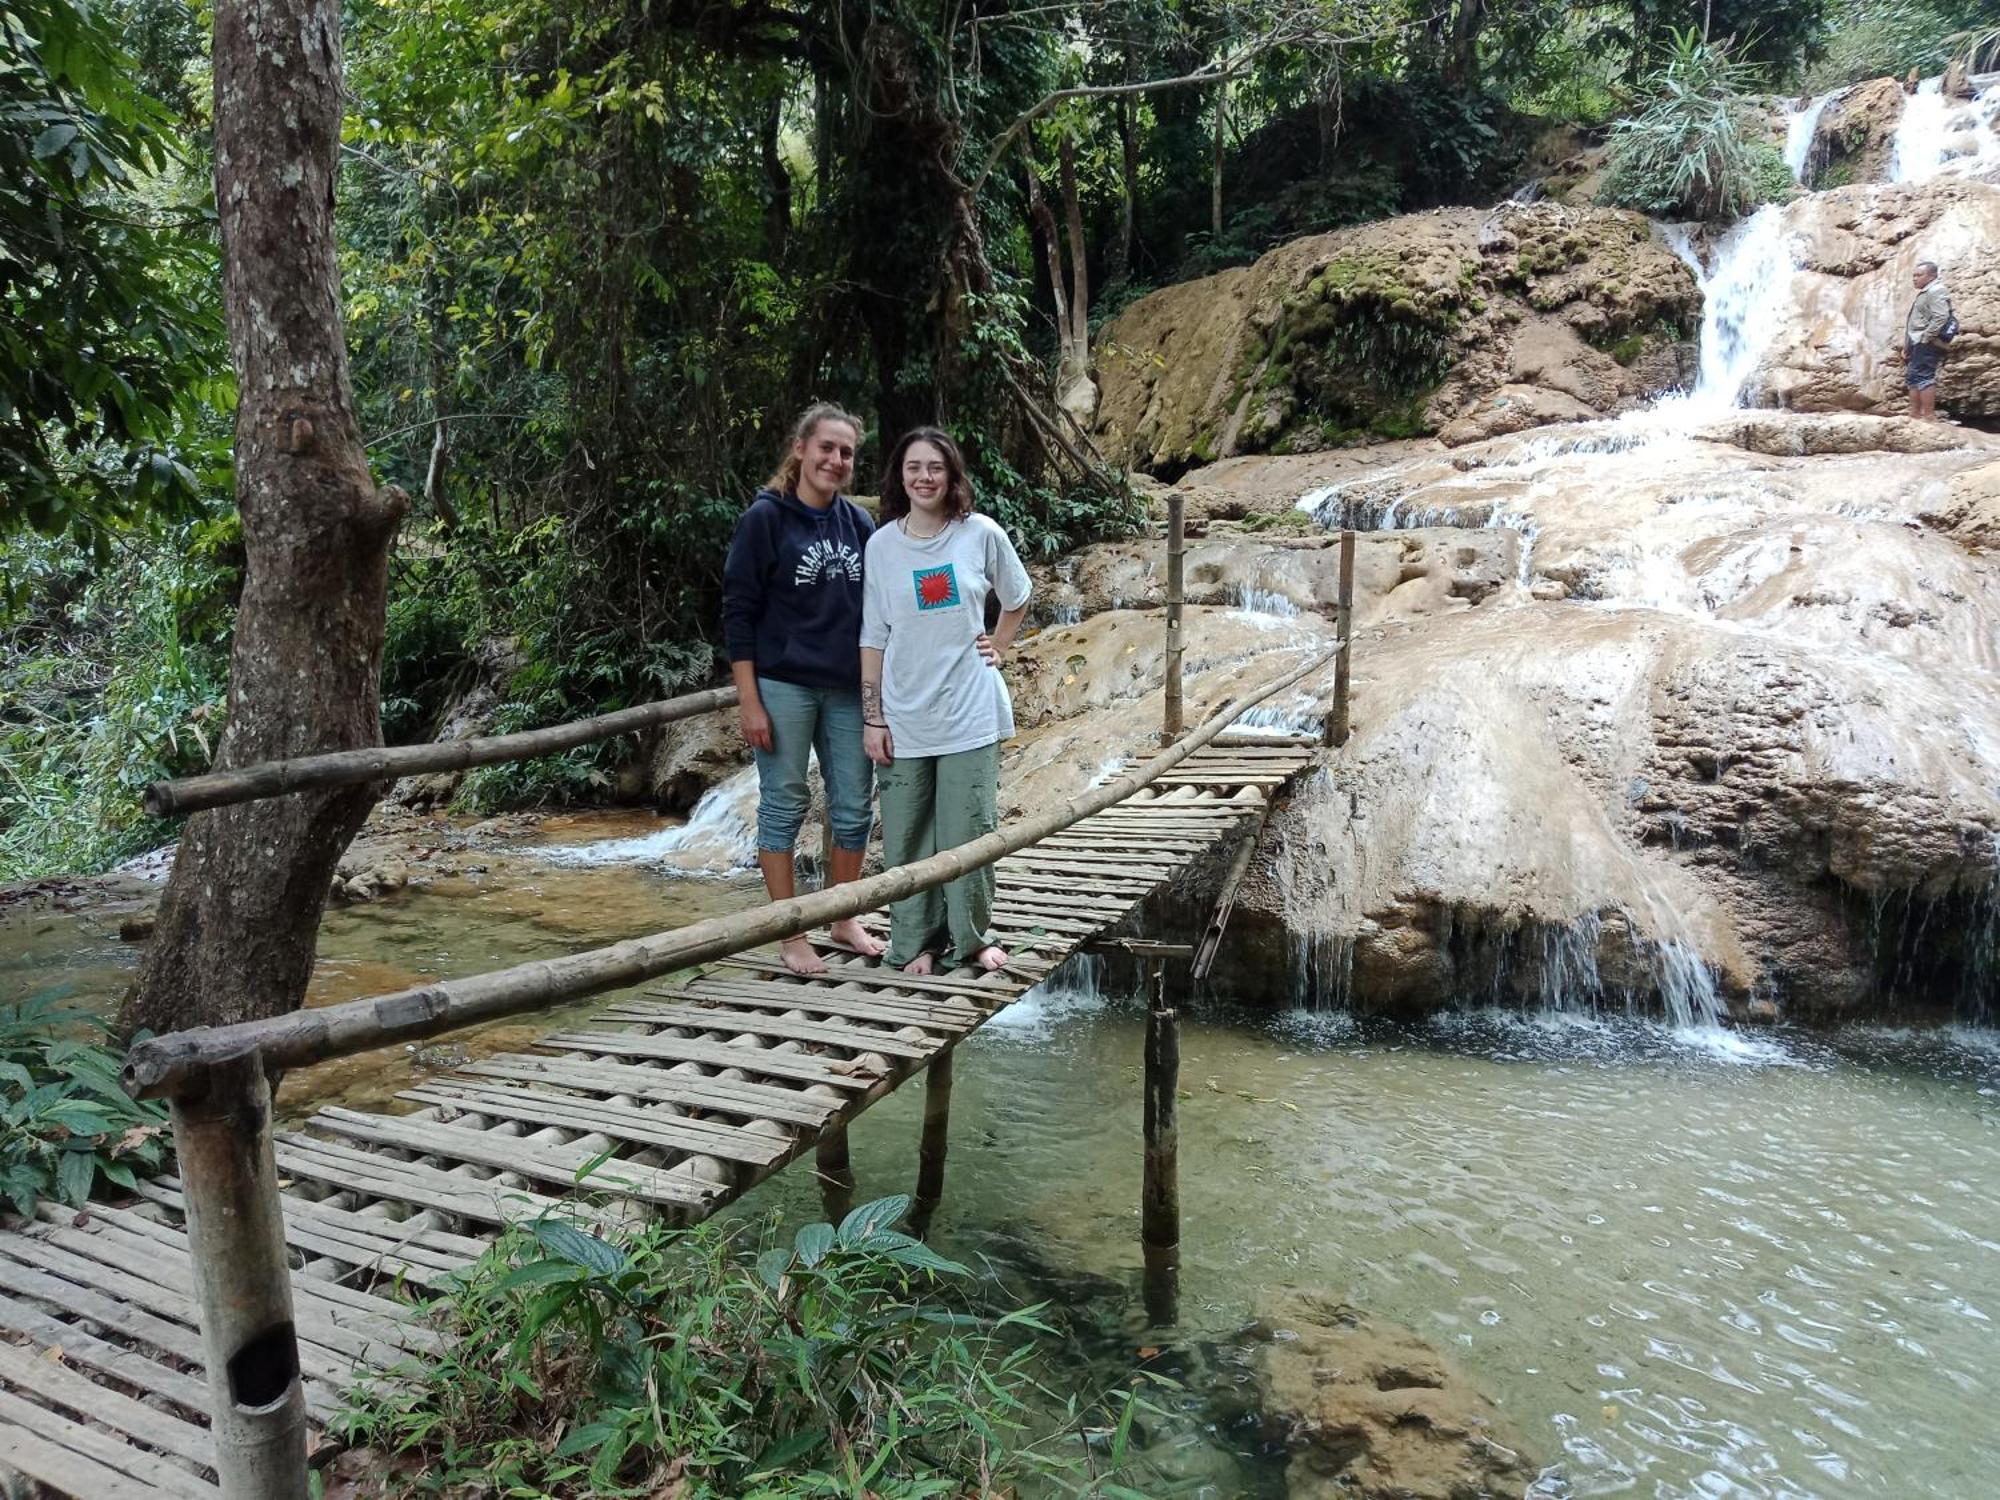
(799, 956)
(921, 964)
(857, 937)
(989, 958)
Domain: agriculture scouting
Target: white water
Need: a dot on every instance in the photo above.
(719, 837)
(1936, 135)
(1800, 129)
(1744, 303)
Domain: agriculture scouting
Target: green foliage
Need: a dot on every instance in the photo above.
(706, 1363)
(1356, 351)
(1873, 38)
(110, 347)
(112, 678)
(1685, 154)
(66, 1123)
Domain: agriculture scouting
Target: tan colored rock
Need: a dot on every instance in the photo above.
(1739, 676)
(1971, 514)
(1841, 348)
(1395, 328)
(1857, 134)
(1514, 408)
(1372, 1412)
(692, 755)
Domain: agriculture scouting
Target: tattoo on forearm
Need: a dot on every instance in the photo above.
(871, 701)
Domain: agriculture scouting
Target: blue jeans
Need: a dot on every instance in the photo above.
(806, 719)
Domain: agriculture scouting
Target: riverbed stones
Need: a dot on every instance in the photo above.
(1370, 1411)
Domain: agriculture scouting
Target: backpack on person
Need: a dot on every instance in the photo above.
(1950, 330)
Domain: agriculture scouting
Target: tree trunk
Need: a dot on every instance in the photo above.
(1076, 391)
(241, 910)
(1215, 176)
(1462, 63)
(1045, 224)
(1120, 269)
(778, 182)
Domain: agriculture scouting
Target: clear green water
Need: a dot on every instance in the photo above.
(1766, 1273)
(1684, 1267)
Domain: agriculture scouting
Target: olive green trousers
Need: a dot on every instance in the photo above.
(933, 802)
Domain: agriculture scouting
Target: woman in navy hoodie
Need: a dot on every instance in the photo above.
(791, 616)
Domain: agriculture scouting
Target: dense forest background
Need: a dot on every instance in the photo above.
(597, 254)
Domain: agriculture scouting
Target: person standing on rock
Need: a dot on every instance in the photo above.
(791, 617)
(1924, 338)
(936, 706)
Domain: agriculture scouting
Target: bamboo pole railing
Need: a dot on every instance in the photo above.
(175, 1064)
(274, 778)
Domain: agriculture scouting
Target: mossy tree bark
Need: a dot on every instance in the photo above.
(242, 908)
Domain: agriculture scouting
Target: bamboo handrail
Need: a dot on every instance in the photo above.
(274, 778)
(175, 1064)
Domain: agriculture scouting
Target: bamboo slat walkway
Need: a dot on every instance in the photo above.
(679, 1099)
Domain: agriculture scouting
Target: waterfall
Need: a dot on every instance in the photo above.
(1936, 135)
(1920, 131)
(719, 837)
(1801, 128)
(1743, 302)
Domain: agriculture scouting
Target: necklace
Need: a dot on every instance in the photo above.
(922, 536)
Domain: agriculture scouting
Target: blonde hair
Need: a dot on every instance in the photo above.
(786, 480)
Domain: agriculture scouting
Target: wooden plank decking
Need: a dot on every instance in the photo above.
(679, 1098)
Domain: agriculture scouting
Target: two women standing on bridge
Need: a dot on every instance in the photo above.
(791, 611)
(936, 708)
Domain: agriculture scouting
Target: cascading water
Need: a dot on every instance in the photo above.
(1743, 304)
(1801, 127)
(1936, 135)
(719, 837)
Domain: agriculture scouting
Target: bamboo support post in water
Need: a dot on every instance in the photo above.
(243, 1282)
(835, 1170)
(1338, 731)
(172, 1064)
(275, 778)
(1160, 1193)
(937, 1130)
(1225, 902)
(1176, 597)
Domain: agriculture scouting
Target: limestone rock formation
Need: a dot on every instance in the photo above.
(1372, 1412)
(1396, 328)
(690, 756)
(1839, 348)
(1688, 717)
(1857, 134)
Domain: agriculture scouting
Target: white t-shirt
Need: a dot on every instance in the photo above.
(923, 604)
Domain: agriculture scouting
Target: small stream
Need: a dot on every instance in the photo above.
(1762, 1269)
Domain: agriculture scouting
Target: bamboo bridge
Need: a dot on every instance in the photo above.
(198, 1341)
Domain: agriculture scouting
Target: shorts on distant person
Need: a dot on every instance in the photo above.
(1921, 372)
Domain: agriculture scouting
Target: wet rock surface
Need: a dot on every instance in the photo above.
(1840, 344)
(1666, 715)
(1370, 1411)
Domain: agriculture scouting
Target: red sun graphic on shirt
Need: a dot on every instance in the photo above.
(937, 588)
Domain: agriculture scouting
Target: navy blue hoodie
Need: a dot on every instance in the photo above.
(791, 590)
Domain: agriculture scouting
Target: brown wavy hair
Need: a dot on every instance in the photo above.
(958, 483)
(786, 480)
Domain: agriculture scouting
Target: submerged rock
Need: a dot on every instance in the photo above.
(1372, 1412)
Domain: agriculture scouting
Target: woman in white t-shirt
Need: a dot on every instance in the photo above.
(934, 706)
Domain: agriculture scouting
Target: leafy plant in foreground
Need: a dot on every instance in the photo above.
(66, 1122)
(679, 1363)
